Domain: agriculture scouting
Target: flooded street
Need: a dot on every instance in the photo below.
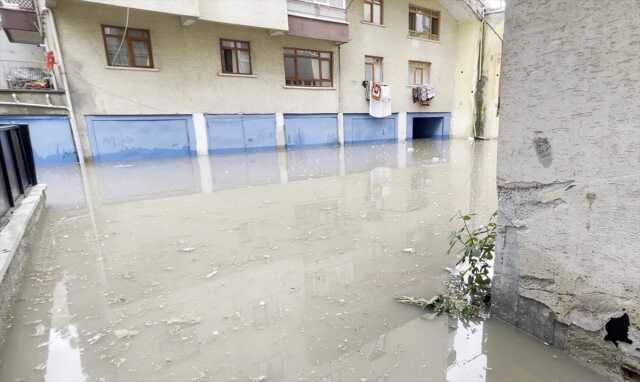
(269, 266)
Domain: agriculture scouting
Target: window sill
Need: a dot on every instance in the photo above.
(412, 37)
(220, 74)
(131, 68)
(372, 24)
(309, 87)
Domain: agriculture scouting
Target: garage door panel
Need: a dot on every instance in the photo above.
(225, 133)
(139, 138)
(259, 132)
(311, 130)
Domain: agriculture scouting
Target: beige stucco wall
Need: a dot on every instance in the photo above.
(568, 163)
(466, 77)
(270, 14)
(392, 42)
(187, 59)
(176, 7)
(188, 62)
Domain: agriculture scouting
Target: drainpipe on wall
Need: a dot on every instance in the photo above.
(340, 101)
(478, 126)
(65, 83)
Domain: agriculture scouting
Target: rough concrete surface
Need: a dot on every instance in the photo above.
(15, 239)
(568, 176)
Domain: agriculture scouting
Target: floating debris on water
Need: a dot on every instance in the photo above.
(125, 333)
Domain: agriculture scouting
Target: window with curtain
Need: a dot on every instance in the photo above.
(373, 69)
(132, 48)
(235, 56)
(372, 11)
(419, 73)
(304, 67)
(424, 23)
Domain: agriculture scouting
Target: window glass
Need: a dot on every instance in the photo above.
(289, 67)
(305, 67)
(227, 61)
(377, 14)
(235, 56)
(136, 33)
(113, 31)
(377, 73)
(419, 73)
(326, 70)
(132, 48)
(244, 62)
(373, 68)
(140, 53)
(368, 72)
(367, 12)
(122, 58)
(228, 44)
(435, 26)
(424, 23)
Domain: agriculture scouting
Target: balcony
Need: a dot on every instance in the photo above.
(329, 10)
(25, 75)
(318, 19)
(19, 20)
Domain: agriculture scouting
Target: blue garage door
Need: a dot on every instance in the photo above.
(51, 138)
(365, 128)
(140, 137)
(311, 129)
(241, 132)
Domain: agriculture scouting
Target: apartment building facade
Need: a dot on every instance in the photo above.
(154, 78)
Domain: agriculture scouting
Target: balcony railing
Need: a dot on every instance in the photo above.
(24, 75)
(25, 5)
(17, 169)
(333, 10)
(331, 3)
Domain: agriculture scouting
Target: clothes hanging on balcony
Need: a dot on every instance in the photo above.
(423, 94)
(381, 108)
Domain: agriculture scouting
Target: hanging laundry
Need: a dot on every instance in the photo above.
(376, 91)
(423, 94)
(381, 107)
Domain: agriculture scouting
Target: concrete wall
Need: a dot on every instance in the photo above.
(393, 44)
(17, 239)
(270, 14)
(176, 7)
(187, 76)
(568, 165)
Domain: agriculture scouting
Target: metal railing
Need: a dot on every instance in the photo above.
(26, 5)
(17, 169)
(24, 75)
(332, 3)
(330, 9)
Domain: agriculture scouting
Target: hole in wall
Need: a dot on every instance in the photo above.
(630, 374)
(618, 330)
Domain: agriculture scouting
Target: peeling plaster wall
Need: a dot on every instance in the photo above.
(569, 176)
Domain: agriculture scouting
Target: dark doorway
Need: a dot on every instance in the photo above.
(428, 127)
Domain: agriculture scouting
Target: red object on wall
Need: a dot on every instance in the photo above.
(50, 60)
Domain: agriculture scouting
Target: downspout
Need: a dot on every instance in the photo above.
(65, 83)
(478, 126)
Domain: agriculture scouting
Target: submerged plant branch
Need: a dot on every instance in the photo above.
(469, 288)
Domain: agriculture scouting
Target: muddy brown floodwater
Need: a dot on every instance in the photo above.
(263, 267)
